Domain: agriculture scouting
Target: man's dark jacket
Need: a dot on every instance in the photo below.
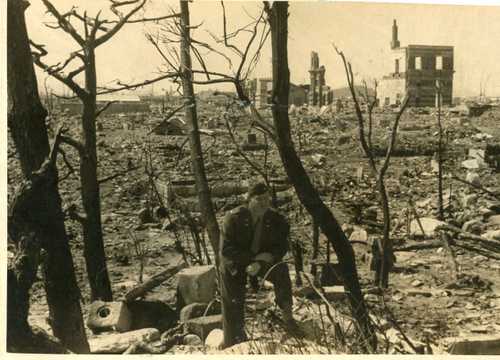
(237, 237)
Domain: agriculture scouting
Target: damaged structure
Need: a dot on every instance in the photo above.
(417, 69)
(316, 93)
(261, 89)
(319, 93)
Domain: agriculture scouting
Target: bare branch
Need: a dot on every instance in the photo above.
(224, 22)
(394, 132)
(108, 35)
(64, 22)
(359, 114)
(57, 75)
(134, 86)
(104, 108)
(68, 165)
(75, 143)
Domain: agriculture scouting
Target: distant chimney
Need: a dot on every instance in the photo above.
(395, 42)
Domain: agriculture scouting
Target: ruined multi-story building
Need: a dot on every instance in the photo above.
(319, 93)
(417, 69)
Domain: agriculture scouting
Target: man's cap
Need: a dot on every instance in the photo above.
(257, 189)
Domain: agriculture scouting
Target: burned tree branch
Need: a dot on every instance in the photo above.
(104, 108)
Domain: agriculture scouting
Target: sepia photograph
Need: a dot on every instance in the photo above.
(250, 177)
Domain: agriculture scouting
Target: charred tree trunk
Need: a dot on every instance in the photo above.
(386, 250)
(278, 20)
(315, 248)
(191, 119)
(36, 219)
(440, 155)
(95, 257)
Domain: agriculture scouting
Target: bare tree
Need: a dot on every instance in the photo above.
(383, 249)
(97, 31)
(278, 20)
(190, 116)
(36, 220)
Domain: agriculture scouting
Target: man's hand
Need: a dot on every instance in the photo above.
(266, 257)
(253, 268)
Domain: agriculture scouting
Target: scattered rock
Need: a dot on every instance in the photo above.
(215, 339)
(192, 340)
(492, 235)
(118, 343)
(417, 283)
(473, 178)
(359, 234)
(474, 164)
(429, 225)
(494, 220)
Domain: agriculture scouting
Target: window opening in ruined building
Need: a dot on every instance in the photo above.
(439, 63)
(387, 101)
(396, 66)
(418, 63)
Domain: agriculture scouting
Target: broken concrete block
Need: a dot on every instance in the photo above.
(359, 234)
(475, 345)
(118, 343)
(197, 284)
(429, 225)
(202, 326)
(215, 339)
(473, 178)
(105, 316)
(474, 164)
(318, 159)
(334, 293)
(191, 339)
(492, 235)
(494, 220)
(195, 310)
(477, 154)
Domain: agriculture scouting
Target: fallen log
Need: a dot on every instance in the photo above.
(153, 282)
(490, 245)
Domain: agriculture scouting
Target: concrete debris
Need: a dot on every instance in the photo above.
(429, 225)
(118, 343)
(474, 164)
(473, 177)
(197, 284)
(105, 316)
(202, 326)
(474, 345)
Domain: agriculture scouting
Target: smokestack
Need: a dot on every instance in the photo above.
(395, 41)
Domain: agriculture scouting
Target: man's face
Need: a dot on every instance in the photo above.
(260, 202)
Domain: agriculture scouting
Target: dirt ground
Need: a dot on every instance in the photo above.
(428, 303)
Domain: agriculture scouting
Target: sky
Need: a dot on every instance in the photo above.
(361, 30)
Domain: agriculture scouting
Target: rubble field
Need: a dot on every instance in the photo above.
(438, 301)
